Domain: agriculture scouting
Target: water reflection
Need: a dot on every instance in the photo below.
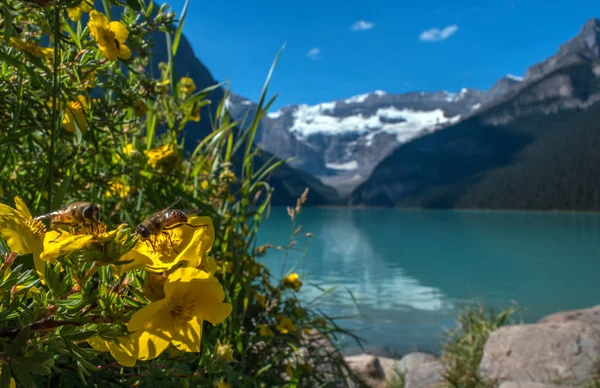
(410, 270)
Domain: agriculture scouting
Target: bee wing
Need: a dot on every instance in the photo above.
(171, 205)
(47, 215)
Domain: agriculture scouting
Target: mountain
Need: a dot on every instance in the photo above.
(534, 147)
(340, 142)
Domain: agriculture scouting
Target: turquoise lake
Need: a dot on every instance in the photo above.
(411, 271)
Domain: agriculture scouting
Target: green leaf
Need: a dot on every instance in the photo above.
(22, 376)
(7, 24)
(34, 368)
(5, 376)
(171, 67)
(19, 344)
(40, 357)
(179, 28)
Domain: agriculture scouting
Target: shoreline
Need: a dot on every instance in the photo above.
(459, 210)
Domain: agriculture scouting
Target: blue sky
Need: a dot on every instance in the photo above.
(395, 46)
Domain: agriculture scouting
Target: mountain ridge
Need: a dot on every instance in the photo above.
(492, 158)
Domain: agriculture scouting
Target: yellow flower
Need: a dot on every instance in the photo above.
(221, 383)
(191, 296)
(225, 352)
(162, 155)
(292, 281)
(32, 48)
(188, 242)
(187, 85)
(76, 12)
(121, 351)
(261, 299)
(265, 331)
(285, 325)
(139, 108)
(59, 243)
(118, 188)
(110, 37)
(22, 234)
(75, 112)
(126, 150)
(204, 184)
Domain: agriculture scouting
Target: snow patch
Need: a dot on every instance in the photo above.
(450, 96)
(348, 166)
(514, 77)
(274, 115)
(362, 97)
(246, 102)
(312, 120)
(476, 106)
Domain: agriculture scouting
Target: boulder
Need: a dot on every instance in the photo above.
(513, 384)
(544, 353)
(392, 366)
(428, 375)
(368, 368)
(591, 316)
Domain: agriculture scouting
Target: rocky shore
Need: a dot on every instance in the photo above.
(562, 349)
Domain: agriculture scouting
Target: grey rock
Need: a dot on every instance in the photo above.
(543, 353)
(413, 360)
(513, 384)
(591, 316)
(428, 375)
(368, 368)
(584, 46)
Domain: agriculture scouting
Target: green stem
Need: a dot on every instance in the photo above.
(55, 130)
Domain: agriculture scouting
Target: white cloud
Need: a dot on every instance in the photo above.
(436, 35)
(314, 53)
(362, 25)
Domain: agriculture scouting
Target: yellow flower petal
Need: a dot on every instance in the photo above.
(149, 344)
(124, 52)
(22, 207)
(121, 351)
(57, 244)
(18, 234)
(121, 33)
(98, 343)
(187, 338)
(142, 319)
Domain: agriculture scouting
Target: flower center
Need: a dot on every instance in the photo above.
(182, 312)
(96, 229)
(109, 37)
(163, 244)
(75, 106)
(37, 227)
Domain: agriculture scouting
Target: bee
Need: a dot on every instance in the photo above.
(160, 222)
(76, 214)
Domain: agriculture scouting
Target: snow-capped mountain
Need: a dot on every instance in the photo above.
(341, 141)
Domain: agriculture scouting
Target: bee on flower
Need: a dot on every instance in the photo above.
(109, 36)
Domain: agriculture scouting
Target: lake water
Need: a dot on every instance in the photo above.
(411, 270)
